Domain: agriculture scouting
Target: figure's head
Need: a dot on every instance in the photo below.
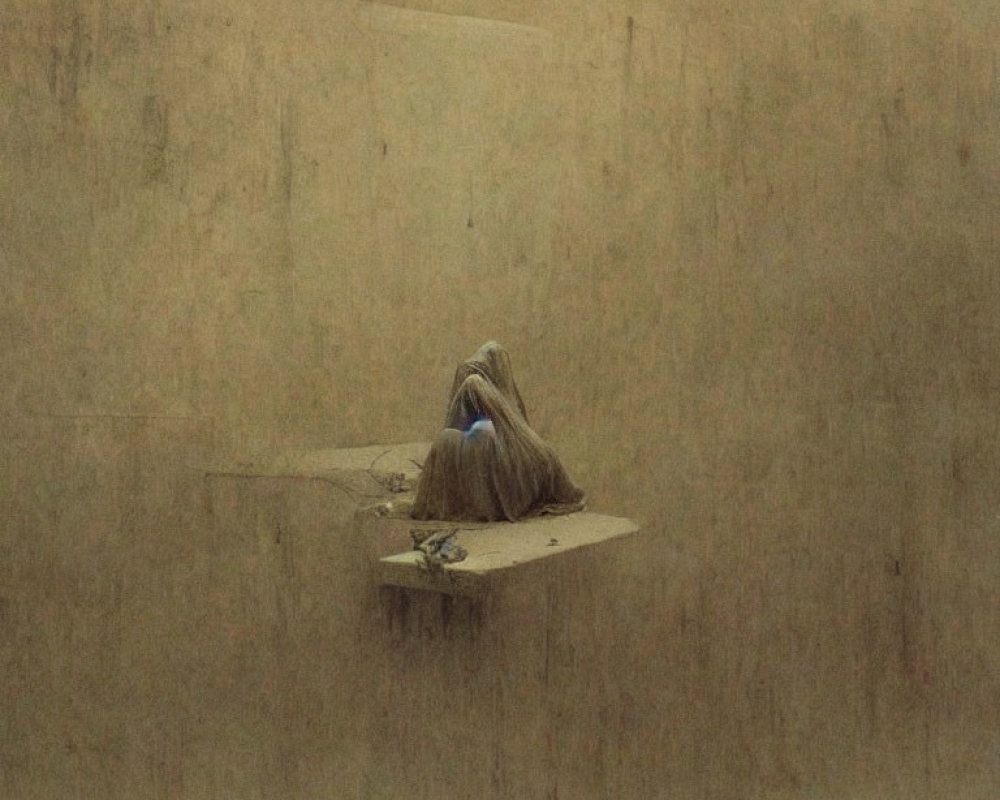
(492, 363)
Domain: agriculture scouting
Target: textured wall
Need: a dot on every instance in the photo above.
(745, 258)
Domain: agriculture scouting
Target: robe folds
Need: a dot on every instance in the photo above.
(503, 471)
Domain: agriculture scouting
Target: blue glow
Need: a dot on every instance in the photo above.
(479, 427)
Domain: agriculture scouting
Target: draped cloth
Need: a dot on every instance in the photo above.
(499, 469)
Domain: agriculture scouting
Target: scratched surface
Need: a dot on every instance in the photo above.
(744, 256)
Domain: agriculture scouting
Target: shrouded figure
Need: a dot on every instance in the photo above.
(487, 463)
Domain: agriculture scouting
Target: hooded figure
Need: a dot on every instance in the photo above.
(487, 463)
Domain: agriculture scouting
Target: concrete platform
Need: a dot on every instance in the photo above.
(497, 551)
(371, 473)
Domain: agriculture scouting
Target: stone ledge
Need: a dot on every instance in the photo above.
(370, 472)
(496, 551)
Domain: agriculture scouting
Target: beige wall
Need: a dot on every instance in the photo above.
(744, 256)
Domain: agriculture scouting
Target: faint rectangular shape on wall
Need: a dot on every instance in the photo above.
(395, 19)
(466, 140)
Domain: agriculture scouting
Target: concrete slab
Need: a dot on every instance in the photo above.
(368, 472)
(497, 551)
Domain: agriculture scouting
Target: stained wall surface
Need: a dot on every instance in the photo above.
(745, 257)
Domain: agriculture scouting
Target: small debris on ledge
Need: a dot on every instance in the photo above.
(438, 547)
